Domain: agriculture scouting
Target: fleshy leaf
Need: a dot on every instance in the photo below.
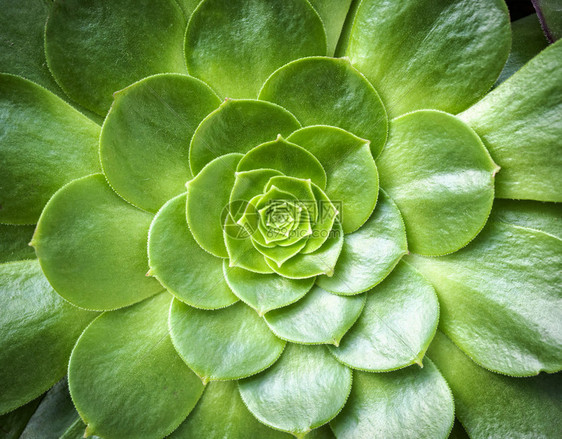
(409, 403)
(92, 246)
(500, 298)
(238, 126)
(221, 413)
(352, 177)
(54, 416)
(438, 172)
(38, 331)
(124, 371)
(437, 66)
(546, 217)
(396, 326)
(45, 144)
(492, 405)
(319, 317)
(22, 52)
(208, 195)
(332, 13)
(321, 261)
(265, 292)
(14, 243)
(369, 254)
(327, 215)
(550, 15)
(144, 143)
(279, 254)
(284, 156)
(520, 123)
(329, 91)
(241, 250)
(527, 41)
(13, 423)
(186, 270)
(305, 389)
(95, 48)
(225, 344)
(234, 45)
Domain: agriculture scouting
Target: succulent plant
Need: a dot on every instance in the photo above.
(259, 218)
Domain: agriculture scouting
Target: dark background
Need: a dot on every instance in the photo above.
(519, 8)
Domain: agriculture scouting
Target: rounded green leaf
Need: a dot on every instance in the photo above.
(396, 326)
(353, 180)
(247, 185)
(537, 215)
(438, 172)
(319, 317)
(238, 126)
(186, 270)
(92, 246)
(333, 14)
(208, 195)
(265, 292)
(321, 261)
(329, 91)
(144, 143)
(528, 40)
(438, 66)
(324, 224)
(95, 48)
(409, 403)
(221, 413)
(14, 243)
(22, 30)
(504, 287)
(279, 254)
(290, 159)
(54, 416)
(493, 405)
(45, 144)
(234, 45)
(241, 250)
(369, 254)
(305, 389)
(224, 344)
(520, 123)
(38, 331)
(124, 371)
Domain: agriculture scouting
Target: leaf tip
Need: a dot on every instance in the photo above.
(89, 431)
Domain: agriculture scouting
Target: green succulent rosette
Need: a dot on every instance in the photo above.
(258, 219)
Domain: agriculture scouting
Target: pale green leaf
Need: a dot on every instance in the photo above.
(125, 376)
(407, 404)
(369, 254)
(144, 143)
(223, 344)
(430, 54)
(208, 195)
(520, 123)
(438, 172)
(234, 45)
(92, 246)
(95, 48)
(329, 91)
(319, 317)
(186, 270)
(38, 331)
(396, 326)
(238, 126)
(496, 406)
(501, 300)
(305, 389)
(45, 144)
